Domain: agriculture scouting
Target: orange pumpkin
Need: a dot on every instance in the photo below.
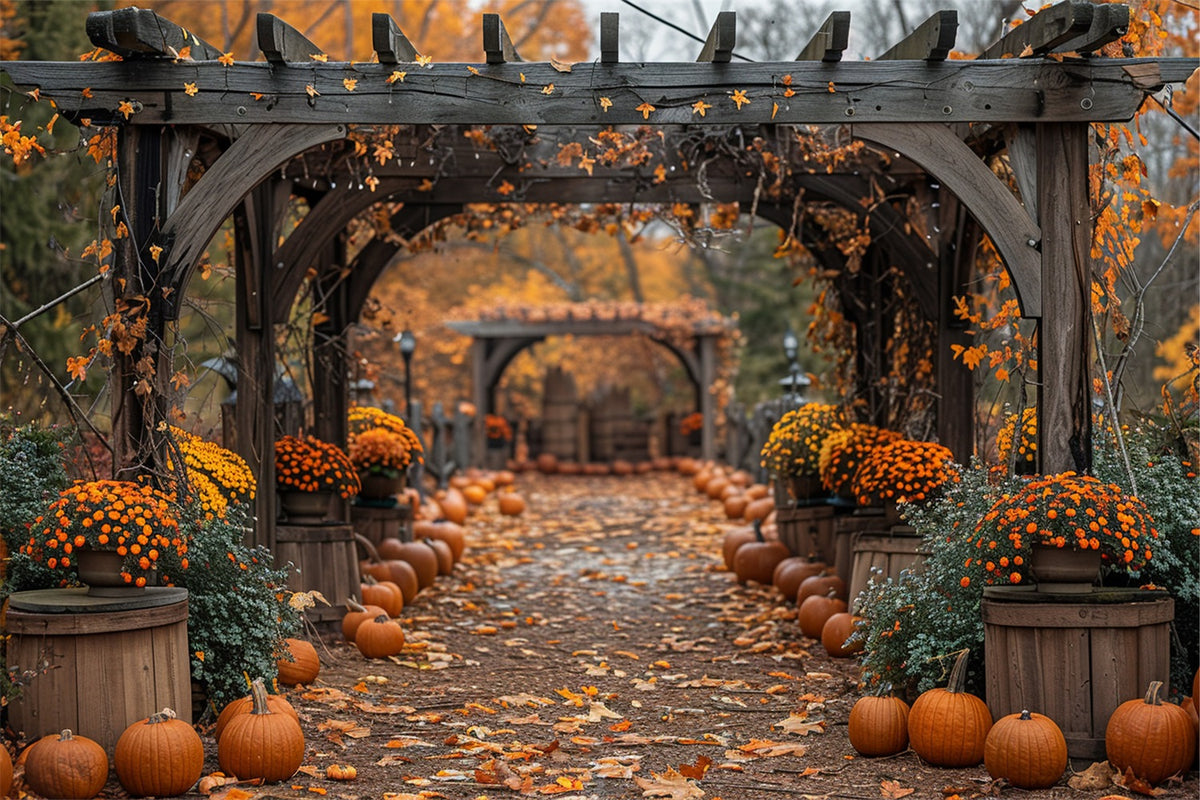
(734, 539)
(793, 571)
(821, 584)
(379, 638)
(948, 727)
(1027, 750)
(756, 561)
(735, 506)
(261, 743)
(66, 765)
(453, 505)
(356, 614)
(878, 726)
(161, 756)
(303, 666)
(759, 509)
(445, 556)
(815, 611)
(6, 771)
(475, 494)
(836, 633)
(511, 504)
(384, 594)
(1150, 737)
(276, 702)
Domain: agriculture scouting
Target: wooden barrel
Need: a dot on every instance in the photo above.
(1074, 658)
(377, 523)
(323, 558)
(97, 664)
(805, 530)
(844, 530)
(560, 416)
(883, 556)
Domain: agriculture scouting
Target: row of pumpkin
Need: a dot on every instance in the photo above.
(1150, 739)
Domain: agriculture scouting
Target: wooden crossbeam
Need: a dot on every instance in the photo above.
(931, 41)
(1045, 30)
(1109, 23)
(830, 40)
(718, 46)
(496, 42)
(390, 43)
(281, 43)
(134, 33)
(609, 37)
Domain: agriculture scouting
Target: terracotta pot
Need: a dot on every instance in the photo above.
(304, 508)
(1063, 570)
(376, 486)
(100, 571)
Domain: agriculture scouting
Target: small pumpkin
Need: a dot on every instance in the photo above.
(275, 702)
(1150, 737)
(404, 575)
(878, 726)
(341, 772)
(835, 635)
(356, 614)
(422, 559)
(735, 505)
(793, 571)
(66, 766)
(379, 638)
(815, 611)
(384, 594)
(757, 491)
(756, 561)
(948, 727)
(446, 531)
(715, 486)
(159, 756)
(759, 509)
(547, 463)
(299, 663)
(474, 494)
(6, 771)
(453, 505)
(1028, 750)
(733, 540)
(511, 504)
(821, 584)
(261, 744)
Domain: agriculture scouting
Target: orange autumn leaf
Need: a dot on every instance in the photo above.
(645, 108)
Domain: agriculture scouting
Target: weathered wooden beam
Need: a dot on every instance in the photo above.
(390, 43)
(610, 37)
(718, 46)
(1009, 90)
(281, 43)
(1110, 22)
(134, 33)
(830, 40)
(931, 41)
(496, 41)
(1044, 31)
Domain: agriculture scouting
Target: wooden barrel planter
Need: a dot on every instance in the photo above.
(883, 555)
(377, 523)
(323, 558)
(1074, 657)
(98, 664)
(805, 530)
(846, 527)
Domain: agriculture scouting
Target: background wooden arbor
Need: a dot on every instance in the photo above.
(244, 123)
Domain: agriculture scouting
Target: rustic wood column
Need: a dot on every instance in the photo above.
(331, 362)
(254, 232)
(955, 383)
(708, 403)
(481, 396)
(139, 402)
(1064, 333)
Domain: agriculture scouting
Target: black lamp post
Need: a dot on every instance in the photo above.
(408, 343)
(791, 349)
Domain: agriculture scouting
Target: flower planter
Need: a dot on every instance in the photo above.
(323, 558)
(100, 571)
(1074, 657)
(102, 661)
(883, 555)
(380, 487)
(304, 508)
(376, 523)
(1063, 570)
(807, 531)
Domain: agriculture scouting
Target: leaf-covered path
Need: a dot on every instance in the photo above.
(595, 648)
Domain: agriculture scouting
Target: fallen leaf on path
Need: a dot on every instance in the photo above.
(893, 790)
(669, 784)
(798, 723)
(1098, 776)
(697, 769)
(1135, 784)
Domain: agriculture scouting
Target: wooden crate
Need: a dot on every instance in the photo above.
(377, 523)
(806, 530)
(1074, 658)
(888, 553)
(100, 663)
(323, 558)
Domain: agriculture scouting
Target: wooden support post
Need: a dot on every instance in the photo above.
(331, 362)
(254, 231)
(708, 403)
(718, 46)
(1045, 30)
(496, 42)
(281, 42)
(610, 37)
(480, 396)
(955, 383)
(1064, 336)
(139, 402)
(390, 43)
(931, 41)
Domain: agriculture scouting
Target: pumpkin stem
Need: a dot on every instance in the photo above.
(165, 715)
(758, 534)
(1025, 714)
(258, 694)
(1152, 698)
(354, 605)
(369, 580)
(65, 736)
(958, 674)
(383, 618)
(369, 547)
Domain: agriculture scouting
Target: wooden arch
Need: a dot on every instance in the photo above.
(1037, 108)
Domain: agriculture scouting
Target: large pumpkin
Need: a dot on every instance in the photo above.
(443, 553)
(243, 705)
(379, 638)
(948, 727)
(66, 766)
(1153, 738)
(422, 559)
(1028, 750)
(878, 725)
(756, 561)
(161, 756)
(299, 664)
(6, 770)
(261, 743)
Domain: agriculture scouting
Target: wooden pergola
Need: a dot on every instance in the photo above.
(257, 133)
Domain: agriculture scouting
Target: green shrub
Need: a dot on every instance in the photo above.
(238, 610)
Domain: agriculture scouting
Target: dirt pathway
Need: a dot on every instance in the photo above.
(594, 648)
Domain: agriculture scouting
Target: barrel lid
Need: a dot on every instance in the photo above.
(76, 601)
(1100, 595)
